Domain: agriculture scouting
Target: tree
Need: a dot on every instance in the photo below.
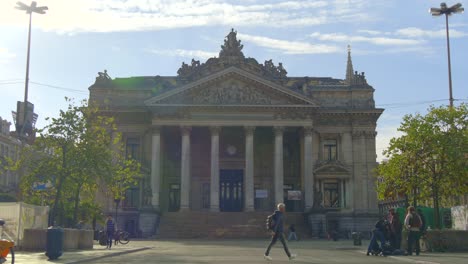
(430, 160)
(79, 153)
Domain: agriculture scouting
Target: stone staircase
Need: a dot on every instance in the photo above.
(196, 224)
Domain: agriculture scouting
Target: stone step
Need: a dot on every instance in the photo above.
(222, 224)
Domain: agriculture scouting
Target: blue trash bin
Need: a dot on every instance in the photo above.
(54, 245)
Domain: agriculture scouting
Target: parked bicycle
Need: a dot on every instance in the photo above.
(7, 253)
(122, 237)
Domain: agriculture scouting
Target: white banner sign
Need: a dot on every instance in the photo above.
(261, 193)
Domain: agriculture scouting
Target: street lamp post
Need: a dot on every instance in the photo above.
(447, 11)
(33, 8)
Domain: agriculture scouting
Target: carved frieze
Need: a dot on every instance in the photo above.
(231, 92)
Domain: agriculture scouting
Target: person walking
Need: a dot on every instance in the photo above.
(278, 232)
(413, 224)
(110, 229)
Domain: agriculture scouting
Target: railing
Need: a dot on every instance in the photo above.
(386, 205)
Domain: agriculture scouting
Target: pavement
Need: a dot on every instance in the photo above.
(234, 251)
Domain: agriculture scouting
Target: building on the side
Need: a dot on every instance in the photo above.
(10, 146)
(234, 135)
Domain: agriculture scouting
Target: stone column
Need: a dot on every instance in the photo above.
(249, 170)
(308, 169)
(155, 166)
(279, 171)
(185, 170)
(342, 194)
(214, 185)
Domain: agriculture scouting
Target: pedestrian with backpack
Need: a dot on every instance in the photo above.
(275, 224)
(413, 224)
(110, 229)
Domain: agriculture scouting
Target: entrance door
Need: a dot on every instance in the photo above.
(231, 190)
(174, 198)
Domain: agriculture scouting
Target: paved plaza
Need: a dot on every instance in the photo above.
(234, 251)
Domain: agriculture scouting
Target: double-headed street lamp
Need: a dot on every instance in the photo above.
(33, 8)
(447, 11)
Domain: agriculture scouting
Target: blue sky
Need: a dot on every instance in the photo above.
(399, 46)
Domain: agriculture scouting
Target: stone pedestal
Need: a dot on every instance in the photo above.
(149, 222)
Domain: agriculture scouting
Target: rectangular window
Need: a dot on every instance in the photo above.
(329, 149)
(331, 196)
(133, 148)
(131, 198)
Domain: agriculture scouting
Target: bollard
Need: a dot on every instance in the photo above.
(357, 239)
(54, 244)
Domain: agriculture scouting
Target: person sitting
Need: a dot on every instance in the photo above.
(378, 234)
(292, 233)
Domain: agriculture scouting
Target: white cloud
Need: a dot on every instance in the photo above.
(289, 47)
(385, 41)
(370, 32)
(414, 32)
(67, 16)
(6, 55)
(384, 135)
(185, 53)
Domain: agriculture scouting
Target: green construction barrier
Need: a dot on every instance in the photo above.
(428, 215)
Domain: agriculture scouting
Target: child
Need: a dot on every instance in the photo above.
(292, 233)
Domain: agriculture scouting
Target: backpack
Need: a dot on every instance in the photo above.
(415, 221)
(270, 222)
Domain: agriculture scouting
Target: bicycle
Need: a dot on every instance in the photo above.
(6, 247)
(122, 237)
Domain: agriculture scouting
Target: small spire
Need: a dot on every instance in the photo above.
(349, 68)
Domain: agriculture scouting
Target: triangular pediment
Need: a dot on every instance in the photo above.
(232, 86)
(331, 167)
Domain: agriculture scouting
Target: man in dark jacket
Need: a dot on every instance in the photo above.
(278, 232)
(110, 229)
(396, 228)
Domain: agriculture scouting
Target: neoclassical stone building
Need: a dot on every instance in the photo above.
(235, 135)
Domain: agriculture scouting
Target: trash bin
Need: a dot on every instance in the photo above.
(102, 238)
(54, 244)
(357, 239)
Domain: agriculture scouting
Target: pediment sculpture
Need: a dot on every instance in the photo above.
(103, 78)
(231, 92)
(231, 55)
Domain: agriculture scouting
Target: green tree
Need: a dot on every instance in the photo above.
(79, 153)
(430, 160)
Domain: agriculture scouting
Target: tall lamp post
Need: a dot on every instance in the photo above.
(33, 8)
(447, 11)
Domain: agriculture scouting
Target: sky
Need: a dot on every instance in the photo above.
(399, 46)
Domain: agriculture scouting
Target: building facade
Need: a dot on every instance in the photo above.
(9, 151)
(235, 135)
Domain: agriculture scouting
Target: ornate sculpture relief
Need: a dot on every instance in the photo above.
(232, 47)
(231, 92)
(231, 55)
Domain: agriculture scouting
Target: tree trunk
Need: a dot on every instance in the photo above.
(436, 209)
(77, 203)
(59, 186)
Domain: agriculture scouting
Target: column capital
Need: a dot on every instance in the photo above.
(156, 129)
(186, 130)
(279, 130)
(215, 130)
(249, 130)
(308, 130)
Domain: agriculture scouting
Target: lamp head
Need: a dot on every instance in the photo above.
(31, 9)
